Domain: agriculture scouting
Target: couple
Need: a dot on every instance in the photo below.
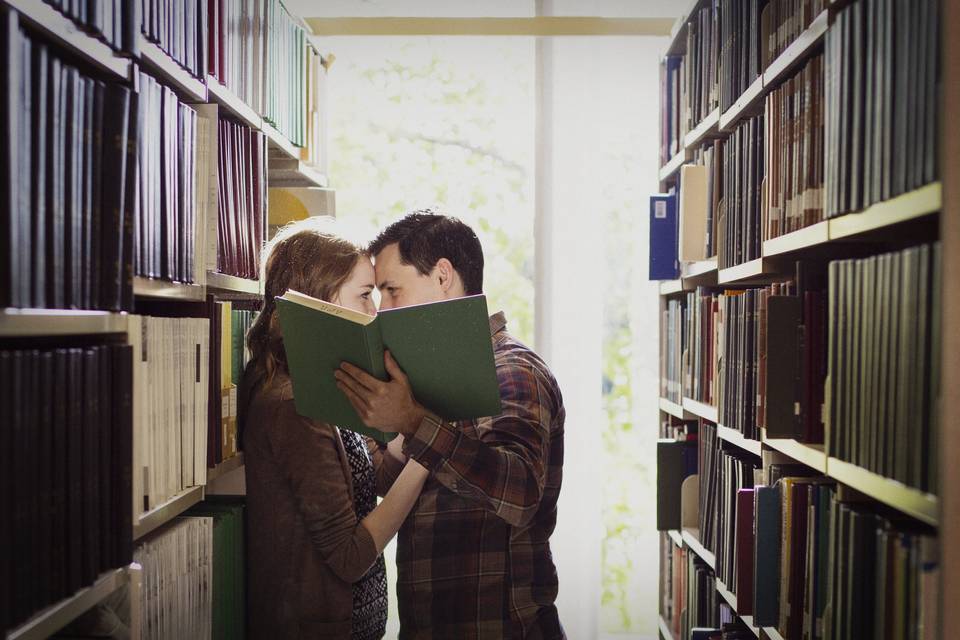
(475, 502)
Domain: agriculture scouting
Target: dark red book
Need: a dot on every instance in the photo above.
(744, 540)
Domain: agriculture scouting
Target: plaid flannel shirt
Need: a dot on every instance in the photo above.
(473, 557)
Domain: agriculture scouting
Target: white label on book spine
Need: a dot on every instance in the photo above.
(660, 210)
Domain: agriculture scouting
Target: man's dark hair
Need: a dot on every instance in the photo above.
(423, 237)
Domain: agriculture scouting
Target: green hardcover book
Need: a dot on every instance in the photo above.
(443, 347)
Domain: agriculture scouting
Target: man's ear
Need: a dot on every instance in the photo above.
(445, 274)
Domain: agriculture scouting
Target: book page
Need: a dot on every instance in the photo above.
(328, 307)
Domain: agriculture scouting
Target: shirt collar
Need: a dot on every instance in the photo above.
(498, 322)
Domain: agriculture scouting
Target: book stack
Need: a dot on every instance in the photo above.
(176, 600)
(740, 48)
(882, 92)
(170, 382)
(703, 44)
(66, 181)
(782, 22)
(179, 28)
(242, 199)
(236, 55)
(166, 224)
(285, 51)
(115, 23)
(743, 176)
(65, 458)
(674, 110)
(794, 129)
(883, 365)
(702, 363)
(672, 342)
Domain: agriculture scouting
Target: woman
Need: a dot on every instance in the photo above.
(316, 533)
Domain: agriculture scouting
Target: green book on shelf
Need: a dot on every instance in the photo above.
(444, 348)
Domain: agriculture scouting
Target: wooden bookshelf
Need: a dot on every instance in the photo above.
(224, 283)
(772, 634)
(915, 204)
(43, 18)
(664, 629)
(913, 502)
(278, 142)
(805, 238)
(737, 439)
(230, 464)
(745, 105)
(55, 617)
(676, 536)
(669, 170)
(797, 52)
(169, 71)
(691, 538)
(233, 104)
(707, 128)
(674, 409)
(288, 172)
(151, 288)
(700, 272)
(671, 287)
(811, 455)
(19, 323)
(161, 515)
(700, 409)
(756, 271)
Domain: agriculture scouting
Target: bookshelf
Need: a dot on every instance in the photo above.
(52, 619)
(227, 284)
(664, 629)
(54, 25)
(290, 172)
(887, 229)
(691, 538)
(230, 464)
(173, 75)
(164, 513)
(232, 104)
(164, 289)
(676, 537)
(22, 323)
(672, 168)
(279, 143)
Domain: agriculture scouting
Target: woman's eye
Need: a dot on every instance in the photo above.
(365, 296)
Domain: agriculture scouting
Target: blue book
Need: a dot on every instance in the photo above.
(664, 238)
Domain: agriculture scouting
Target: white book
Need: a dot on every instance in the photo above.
(693, 213)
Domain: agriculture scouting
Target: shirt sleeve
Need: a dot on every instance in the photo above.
(504, 470)
(307, 453)
(385, 466)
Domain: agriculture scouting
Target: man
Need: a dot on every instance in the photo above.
(473, 557)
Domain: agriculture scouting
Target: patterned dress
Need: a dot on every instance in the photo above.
(370, 592)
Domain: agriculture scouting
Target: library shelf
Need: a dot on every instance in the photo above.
(664, 628)
(731, 599)
(797, 51)
(812, 455)
(279, 143)
(908, 206)
(17, 323)
(674, 409)
(55, 617)
(672, 167)
(164, 513)
(170, 72)
(671, 287)
(700, 409)
(44, 19)
(743, 106)
(232, 103)
(814, 235)
(772, 633)
(700, 272)
(676, 536)
(290, 172)
(223, 282)
(737, 439)
(913, 502)
(706, 128)
(756, 271)
(230, 464)
(691, 538)
(152, 288)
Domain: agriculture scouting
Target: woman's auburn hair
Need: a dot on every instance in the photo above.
(305, 256)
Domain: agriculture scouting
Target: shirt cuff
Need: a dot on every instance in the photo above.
(432, 442)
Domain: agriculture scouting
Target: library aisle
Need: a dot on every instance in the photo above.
(788, 319)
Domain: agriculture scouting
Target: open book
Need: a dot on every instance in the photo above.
(443, 347)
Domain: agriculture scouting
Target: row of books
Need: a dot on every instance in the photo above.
(285, 88)
(241, 199)
(170, 401)
(113, 21)
(194, 574)
(179, 28)
(782, 22)
(166, 224)
(672, 342)
(882, 97)
(741, 51)
(315, 137)
(703, 44)
(66, 182)
(65, 424)
(794, 164)
(739, 214)
(688, 593)
(883, 367)
(674, 122)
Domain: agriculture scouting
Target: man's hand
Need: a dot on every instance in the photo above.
(388, 406)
